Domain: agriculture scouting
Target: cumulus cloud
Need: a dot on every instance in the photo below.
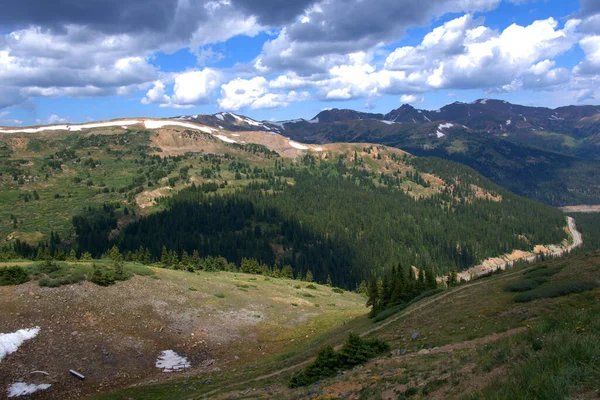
(411, 98)
(189, 89)
(254, 93)
(104, 48)
(330, 29)
(327, 50)
(463, 54)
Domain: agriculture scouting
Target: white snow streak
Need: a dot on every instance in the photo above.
(10, 342)
(22, 388)
(225, 139)
(298, 146)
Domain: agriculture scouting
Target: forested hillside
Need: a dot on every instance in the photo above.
(343, 211)
(343, 222)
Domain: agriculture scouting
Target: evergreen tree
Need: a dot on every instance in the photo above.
(309, 276)
(329, 282)
(287, 272)
(373, 295)
(165, 260)
(386, 292)
(452, 277)
(430, 281)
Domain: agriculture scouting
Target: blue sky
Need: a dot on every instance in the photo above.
(276, 61)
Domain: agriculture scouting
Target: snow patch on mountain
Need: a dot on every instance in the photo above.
(298, 145)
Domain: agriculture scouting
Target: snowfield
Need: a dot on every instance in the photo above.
(10, 342)
(169, 361)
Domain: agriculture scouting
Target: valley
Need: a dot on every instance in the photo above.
(219, 250)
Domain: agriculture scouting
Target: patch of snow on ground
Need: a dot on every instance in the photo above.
(445, 126)
(235, 134)
(252, 122)
(236, 117)
(318, 149)
(278, 123)
(219, 116)
(102, 125)
(10, 342)
(225, 139)
(387, 122)
(21, 388)
(298, 146)
(169, 361)
(508, 122)
(483, 101)
(425, 116)
(154, 124)
(314, 120)
(440, 134)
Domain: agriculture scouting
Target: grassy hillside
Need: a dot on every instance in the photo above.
(494, 348)
(113, 335)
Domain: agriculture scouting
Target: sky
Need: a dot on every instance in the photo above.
(66, 61)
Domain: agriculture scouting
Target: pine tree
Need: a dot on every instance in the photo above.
(329, 282)
(386, 292)
(430, 281)
(362, 289)
(287, 272)
(452, 277)
(195, 261)
(309, 276)
(373, 295)
(165, 260)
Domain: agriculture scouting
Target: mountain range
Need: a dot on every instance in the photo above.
(550, 155)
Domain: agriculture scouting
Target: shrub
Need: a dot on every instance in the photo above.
(102, 276)
(555, 290)
(388, 312)
(337, 290)
(543, 271)
(307, 295)
(311, 286)
(524, 285)
(13, 276)
(48, 282)
(48, 267)
(220, 295)
(355, 351)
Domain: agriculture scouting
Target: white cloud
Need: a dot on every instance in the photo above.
(254, 93)
(195, 87)
(190, 88)
(411, 98)
(55, 119)
(591, 64)
(463, 54)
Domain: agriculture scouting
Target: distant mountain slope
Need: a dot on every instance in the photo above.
(544, 154)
